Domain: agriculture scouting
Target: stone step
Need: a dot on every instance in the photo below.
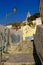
(7, 63)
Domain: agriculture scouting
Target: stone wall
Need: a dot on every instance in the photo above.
(38, 40)
(4, 36)
(15, 36)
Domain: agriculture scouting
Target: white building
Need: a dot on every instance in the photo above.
(38, 21)
(9, 26)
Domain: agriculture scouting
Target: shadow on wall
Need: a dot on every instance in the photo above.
(15, 38)
(36, 57)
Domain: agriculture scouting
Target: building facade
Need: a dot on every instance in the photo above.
(41, 10)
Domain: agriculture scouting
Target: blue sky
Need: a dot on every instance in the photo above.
(22, 6)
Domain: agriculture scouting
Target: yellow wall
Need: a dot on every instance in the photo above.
(27, 31)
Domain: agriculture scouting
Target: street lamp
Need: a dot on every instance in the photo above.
(10, 14)
(14, 10)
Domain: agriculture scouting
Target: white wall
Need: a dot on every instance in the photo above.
(38, 21)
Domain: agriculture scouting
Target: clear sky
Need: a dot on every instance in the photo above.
(22, 6)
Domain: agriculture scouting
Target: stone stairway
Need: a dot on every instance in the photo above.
(21, 55)
(22, 47)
